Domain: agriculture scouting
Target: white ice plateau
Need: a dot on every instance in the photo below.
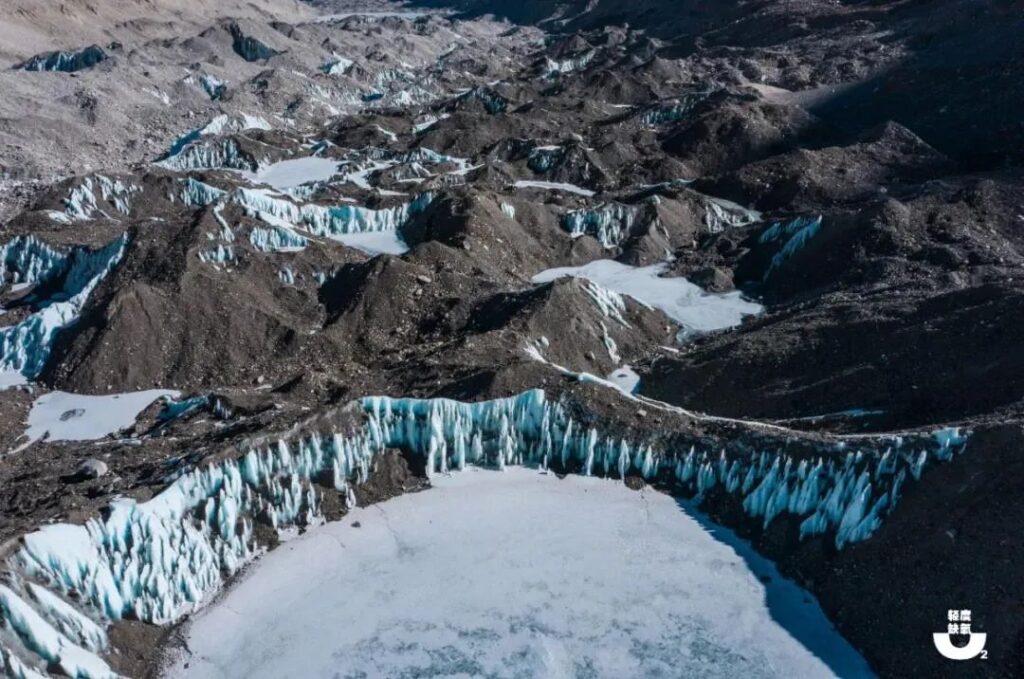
(516, 574)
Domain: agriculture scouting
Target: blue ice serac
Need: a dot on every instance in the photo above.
(609, 223)
(25, 346)
(161, 559)
(65, 61)
(794, 236)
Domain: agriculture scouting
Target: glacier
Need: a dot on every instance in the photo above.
(195, 193)
(543, 158)
(793, 235)
(610, 303)
(29, 261)
(222, 254)
(721, 214)
(337, 65)
(248, 47)
(574, 583)
(277, 239)
(493, 102)
(25, 346)
(217, 154)
(65, 61)
(161, 559)
(428, 122)
(81, 201)
(368, 230)
(609, 223)
(214, 88)
(674, 110)
(328, 221)
(218, 125)
(555, 68)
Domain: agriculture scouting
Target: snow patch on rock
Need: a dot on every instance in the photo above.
(60, 416)
(682, 301)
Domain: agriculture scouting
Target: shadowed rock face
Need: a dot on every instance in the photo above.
(247, 47)
(788, 240)
(940, 68)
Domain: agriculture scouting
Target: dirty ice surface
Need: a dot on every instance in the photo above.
(515, 574)
(682, 301)
(79, 417)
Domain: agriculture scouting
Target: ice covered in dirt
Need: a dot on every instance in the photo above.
(516, 573)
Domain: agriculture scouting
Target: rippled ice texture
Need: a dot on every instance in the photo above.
(515, 574)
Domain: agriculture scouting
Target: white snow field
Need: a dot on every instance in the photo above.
(625, 378)
(554, 186)
(287, 174)
(515, 574)
(60, 416)
(682, 301)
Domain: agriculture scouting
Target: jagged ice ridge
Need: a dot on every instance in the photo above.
(160, 559)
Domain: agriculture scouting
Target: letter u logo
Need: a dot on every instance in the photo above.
(975, 645)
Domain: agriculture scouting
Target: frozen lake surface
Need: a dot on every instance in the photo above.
(516, 574)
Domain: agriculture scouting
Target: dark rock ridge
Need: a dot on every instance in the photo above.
(248, 47)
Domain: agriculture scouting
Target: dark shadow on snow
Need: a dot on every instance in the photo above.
(786, 602)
